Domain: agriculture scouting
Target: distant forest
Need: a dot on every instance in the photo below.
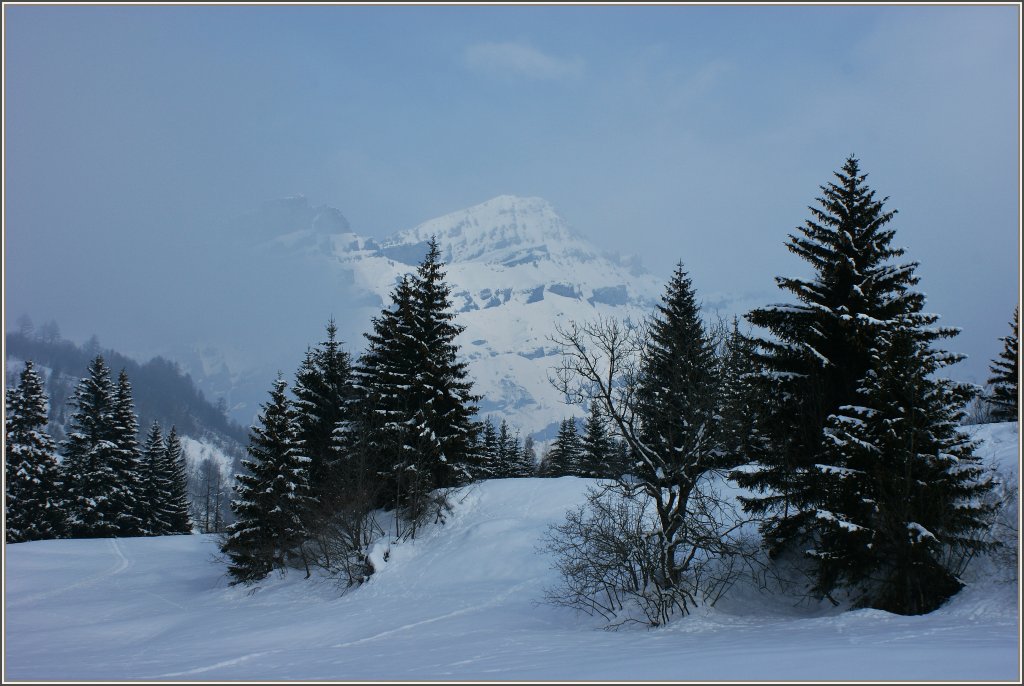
(163, 392)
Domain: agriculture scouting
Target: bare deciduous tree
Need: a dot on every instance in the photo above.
(662, 535)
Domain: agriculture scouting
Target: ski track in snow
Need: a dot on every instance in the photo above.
(223, 663)
(462, 611)
(120, 566)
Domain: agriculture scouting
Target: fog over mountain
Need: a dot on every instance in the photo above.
(516, 269)
(148, 150)
(250, 299)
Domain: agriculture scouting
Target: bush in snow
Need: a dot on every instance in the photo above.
(610, 555)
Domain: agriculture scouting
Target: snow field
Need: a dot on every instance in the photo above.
(462, 601)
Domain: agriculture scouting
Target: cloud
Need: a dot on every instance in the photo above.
(517, 59)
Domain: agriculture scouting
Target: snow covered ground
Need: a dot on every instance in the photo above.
(462, 602)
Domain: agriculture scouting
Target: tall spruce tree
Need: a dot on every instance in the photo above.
(126, 455)
(677, 394)
(903, 493)
(415, 399)
(384, 379)
(98, 502)
(597, 447)
(323, 394)
(1005, 377)
(445, 404)
(271, 497)
(819, 348)
(487, 458)
(155, 485)
(566, 455)
(35, 508)
(176, 477)
(740, 404)
(528, 458)
(508, 448)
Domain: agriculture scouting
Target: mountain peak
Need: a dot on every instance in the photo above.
(287, 215)
(495, 230)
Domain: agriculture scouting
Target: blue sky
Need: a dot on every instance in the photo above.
(693, 133)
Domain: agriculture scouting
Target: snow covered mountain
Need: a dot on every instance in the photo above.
(516, 269)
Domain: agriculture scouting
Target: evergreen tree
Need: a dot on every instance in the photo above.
(175, 473)
(414, 396)
(445, 403)
(566, 455)
(323, 394)
(507, 450)
(271, 496)
(34, 503)
(155, 485)
(1005, 378)
(819, 349)
(621, 462)
(487, 459)
(527, 459)
(98, 502)
(597, 447)
(677, 392)
(126, 456)
(740, 404)
(547, 468)
(903, 491)
(384, 379)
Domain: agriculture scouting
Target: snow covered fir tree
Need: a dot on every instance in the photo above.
(676, 442)
(34, 499)
(163, 507)
(126, 432)
(272, 496)
(499, 453)
(385, 432)
(415, 402)
(856, 330)
(100, 482)
(323, 398)
(443, 395)
(599, 457)
(566, 455)
(99, 469)
(677, 394)
(1005, 379)
(819, 348)
(173, 497)
(903, 506)
(155, 481)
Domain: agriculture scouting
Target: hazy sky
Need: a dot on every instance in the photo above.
(693, 133)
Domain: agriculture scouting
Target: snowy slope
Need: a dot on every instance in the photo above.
(198, 449)
(461, 603)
